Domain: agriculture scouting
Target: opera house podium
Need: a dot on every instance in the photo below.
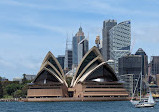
(94, 80)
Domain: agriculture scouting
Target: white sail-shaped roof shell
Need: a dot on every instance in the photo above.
(90, 62)
(51, 65)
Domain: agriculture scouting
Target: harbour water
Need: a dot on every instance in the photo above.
(116, 106)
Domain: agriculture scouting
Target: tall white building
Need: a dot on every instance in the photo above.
(120, 41)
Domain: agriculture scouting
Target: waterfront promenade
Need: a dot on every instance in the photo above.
(63, 99)
(74, 99)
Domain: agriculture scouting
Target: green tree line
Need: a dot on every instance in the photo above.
(13, 89)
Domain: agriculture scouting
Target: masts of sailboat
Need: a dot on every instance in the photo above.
(136, 87)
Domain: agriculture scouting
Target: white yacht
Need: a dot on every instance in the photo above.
(149, 102)
(146, 103)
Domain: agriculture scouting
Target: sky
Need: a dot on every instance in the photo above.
(31, 28)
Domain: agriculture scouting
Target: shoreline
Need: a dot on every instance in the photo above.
(63, 99)
(10, 100)
(74, 99)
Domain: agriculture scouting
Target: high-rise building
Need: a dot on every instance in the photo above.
(154, 65)
(129, 82)
(134, 64)
(111, 63)
(107, 25)
(68, 56)
(76, 39)
(157, 79)
(130, 64)
(82, 49)
(68, 60)
(144, 63)
(120, 41)
(61, 59)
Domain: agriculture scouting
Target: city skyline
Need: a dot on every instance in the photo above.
(29, 29)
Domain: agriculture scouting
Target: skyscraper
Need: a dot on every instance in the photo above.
(82, 49)
(76, 39)
(61, 59)
(134, 64)
(68, 56)
(144, 63)
(119, 41)
(107, 25)
(130, 64)
(68, 60)
(154, 65)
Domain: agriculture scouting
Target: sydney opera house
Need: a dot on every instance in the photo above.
(94, 80)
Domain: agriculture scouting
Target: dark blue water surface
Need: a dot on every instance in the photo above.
(117, 106)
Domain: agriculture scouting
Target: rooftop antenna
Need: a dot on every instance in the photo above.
(67, 42)
(88, 36)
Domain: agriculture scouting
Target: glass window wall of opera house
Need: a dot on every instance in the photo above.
(94, 80)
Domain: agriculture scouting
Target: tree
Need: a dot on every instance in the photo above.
(11, 88)
(18, 94)
(24, 91)
(24, 80)
(1, 90)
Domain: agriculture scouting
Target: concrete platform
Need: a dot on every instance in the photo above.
(75, 99)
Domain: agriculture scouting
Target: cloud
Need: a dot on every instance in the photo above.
(9, 36)
(6, 64)
(146, 34)
(102, 7)
(29, 62)
(47, 27)
(90, 6)
(30, 5)
(15, 66)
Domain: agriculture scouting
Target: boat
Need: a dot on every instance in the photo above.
(145, 102)
(133, 100)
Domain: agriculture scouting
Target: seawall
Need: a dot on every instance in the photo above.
(74, 99)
